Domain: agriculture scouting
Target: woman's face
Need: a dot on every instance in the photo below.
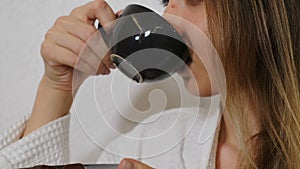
(194, 12)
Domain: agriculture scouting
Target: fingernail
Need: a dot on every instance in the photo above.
(106, 72)
(119, 13)
(112, 66)
(127, 165)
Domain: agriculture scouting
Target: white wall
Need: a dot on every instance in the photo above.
(23, 25)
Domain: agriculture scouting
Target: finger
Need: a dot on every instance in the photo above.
(119, 12)
(85, 67)
(85, 13)
(132, 164)
(97, 46)
(104, 14)
(97, 9)
(66, 40)
(103, 70)
(91, 58)
(107, 62)
(57, 55)
(75, 27)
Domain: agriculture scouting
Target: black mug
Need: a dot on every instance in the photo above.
(144, 46)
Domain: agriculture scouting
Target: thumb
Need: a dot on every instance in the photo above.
(104, 12)
(119, 12)
(132, 164)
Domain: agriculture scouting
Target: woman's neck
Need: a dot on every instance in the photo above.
(228, 143)
(228, 132)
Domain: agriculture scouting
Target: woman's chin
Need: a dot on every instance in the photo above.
(190, 86)
(201, 90)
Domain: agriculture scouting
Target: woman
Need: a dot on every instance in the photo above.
(258, 43)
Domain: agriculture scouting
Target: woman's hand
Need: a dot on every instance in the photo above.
(63, 44)
(63, 57)
(132, 164)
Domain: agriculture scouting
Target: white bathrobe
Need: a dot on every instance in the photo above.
(183, 138)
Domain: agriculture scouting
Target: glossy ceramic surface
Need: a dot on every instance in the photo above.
(145, 46)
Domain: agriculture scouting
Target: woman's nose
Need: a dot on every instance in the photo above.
(173, 14)
(172, 7)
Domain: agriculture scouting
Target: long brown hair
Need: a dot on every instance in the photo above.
(259, 43)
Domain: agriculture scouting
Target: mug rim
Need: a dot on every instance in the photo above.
(138, 74)
(179, 37)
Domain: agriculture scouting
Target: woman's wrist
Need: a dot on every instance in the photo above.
(50, 104)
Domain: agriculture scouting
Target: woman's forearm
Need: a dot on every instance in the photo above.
(50, 104)
(61, 52)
